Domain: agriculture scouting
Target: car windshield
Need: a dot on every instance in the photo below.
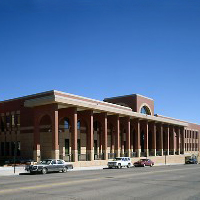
(117, 159)
(46, 162)
(142, 159)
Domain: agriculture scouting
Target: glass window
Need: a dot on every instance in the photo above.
(53, 162)
(78, 125)
(2, 124)
(2, 149)
(17, 119)
(7, 121)
(18, 148)
(7, 151)
(66, 123)
(145, 110)
(13, 120)
(60, 162)
(95, 125)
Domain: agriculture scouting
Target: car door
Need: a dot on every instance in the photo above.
(53, 166)
(60, 165)
(125, 161)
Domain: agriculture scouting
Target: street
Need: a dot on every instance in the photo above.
(163, 182)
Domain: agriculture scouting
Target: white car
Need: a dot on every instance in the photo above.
(120, 162)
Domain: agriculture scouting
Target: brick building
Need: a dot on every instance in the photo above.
(85, 131)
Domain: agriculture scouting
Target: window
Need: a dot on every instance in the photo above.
(79, 146)
(145, 110)
(13, 120)
(2, 149)
(12, 148)
(7, 151)
(7, 121)
(95, 125)
(60, 162)
(66, 123)
(53, 162)
(78, 125)
(18, 148)
(17, 119)
(2, 124)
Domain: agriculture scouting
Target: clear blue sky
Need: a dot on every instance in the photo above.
(101, 49)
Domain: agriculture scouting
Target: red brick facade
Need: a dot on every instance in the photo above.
(59, 125)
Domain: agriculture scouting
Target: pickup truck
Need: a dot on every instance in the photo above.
(120, 162)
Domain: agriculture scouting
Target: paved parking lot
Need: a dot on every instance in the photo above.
(164, 182)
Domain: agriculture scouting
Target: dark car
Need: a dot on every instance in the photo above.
(49, 165)
(192, 161)
(143, 163)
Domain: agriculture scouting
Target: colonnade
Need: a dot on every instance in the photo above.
(138, 137)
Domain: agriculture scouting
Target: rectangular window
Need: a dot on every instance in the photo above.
(17, 120)
(18, 148)
(12, 148)
(13, 120)
(79, 146)
(66, 146)
(2, 149)
(7, 122)
(7, 151)
(2, 124)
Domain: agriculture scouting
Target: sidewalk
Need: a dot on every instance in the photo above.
(9, 171)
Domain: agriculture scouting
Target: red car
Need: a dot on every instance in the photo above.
(144, 162)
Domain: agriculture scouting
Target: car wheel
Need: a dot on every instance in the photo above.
(119, 166)
(129, 165)
(151, 165)
(44, 170)
(144, 165)
(64, 170)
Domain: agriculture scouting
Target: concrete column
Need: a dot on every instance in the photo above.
(172, 136)
(128, 137)
(104, 135)
(160, 131)
(166, 139)
(121, 141)
(117, 132)
(178, 140)
(74, 135)
(90, 138)
(182, 139)
(55, 145)
(112, 141)
(145, 128)
(153, 129)
(137, 132)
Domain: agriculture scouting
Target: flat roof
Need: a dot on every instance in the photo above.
(69, 100)
(129, 95)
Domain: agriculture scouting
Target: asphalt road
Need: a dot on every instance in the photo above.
(164, 182)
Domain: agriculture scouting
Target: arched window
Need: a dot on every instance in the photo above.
(145, 110)
(78, 124)
(66, 123)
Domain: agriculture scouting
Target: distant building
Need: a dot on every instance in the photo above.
(57, 125)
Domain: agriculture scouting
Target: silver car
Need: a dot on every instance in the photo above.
(49, 165)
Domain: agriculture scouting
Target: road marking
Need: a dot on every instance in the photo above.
(8, 191)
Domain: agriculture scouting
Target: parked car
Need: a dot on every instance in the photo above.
(120, 162)
(144, 162)
(192, 161)
(49, 165)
